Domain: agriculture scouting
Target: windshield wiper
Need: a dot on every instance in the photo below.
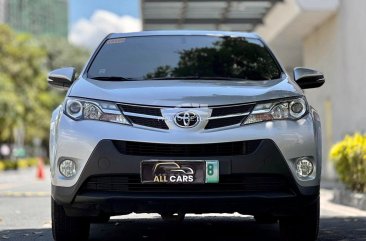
(111, 78)
(197, 77)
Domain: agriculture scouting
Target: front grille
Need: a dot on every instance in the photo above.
(229, 115)
(229, 110)
(221, 116)
(144, 115)
(155, 123)
(240, 183)
(222, 122)
(187, 150)
(146, 110)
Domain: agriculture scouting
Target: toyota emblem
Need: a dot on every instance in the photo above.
(186, 119)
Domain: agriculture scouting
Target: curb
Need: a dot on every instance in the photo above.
(25, 194)
(349, 198)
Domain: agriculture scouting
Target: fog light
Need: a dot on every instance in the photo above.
(68, 168)
(304, 168)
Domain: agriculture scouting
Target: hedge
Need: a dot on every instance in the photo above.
(349, 158)
(18, 164)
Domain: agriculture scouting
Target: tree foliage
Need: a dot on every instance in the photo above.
(22, 83)
(60, 53)
(26, 101)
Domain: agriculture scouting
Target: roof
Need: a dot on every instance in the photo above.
(231, 15)
(184, 32)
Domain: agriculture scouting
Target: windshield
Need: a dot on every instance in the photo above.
(169, 57)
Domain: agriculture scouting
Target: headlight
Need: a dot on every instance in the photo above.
(292, 109)
(83, 109)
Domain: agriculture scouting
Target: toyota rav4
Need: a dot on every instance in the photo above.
(176, 122)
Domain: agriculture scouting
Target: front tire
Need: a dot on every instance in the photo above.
(265, 219)
(100, 219)
(173, 217)
(303, 227)
(65, 228)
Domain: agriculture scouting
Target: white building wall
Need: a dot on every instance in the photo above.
(322, 51)
(337, 47)
(2, 11)
(353, 37)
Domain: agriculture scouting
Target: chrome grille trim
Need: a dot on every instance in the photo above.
(144, 106)
(225, 116)
(228, 116)
(143, 115)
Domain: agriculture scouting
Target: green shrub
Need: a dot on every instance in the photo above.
(349, 158)
(32, 162)
(22, 163)
(10, 165)
(18, 164)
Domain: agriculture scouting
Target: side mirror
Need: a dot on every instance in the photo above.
(308, 78)
(61, 78)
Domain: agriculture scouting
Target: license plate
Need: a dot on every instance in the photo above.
(179, 172)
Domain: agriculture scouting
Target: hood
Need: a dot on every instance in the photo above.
(184, 92)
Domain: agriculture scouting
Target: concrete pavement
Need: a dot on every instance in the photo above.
(25, 215)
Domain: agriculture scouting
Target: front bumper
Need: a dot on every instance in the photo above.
(265, 164)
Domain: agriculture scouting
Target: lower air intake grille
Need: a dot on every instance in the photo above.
(186, 150)
(228, 183)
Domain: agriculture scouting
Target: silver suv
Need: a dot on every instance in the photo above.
(176, 122)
